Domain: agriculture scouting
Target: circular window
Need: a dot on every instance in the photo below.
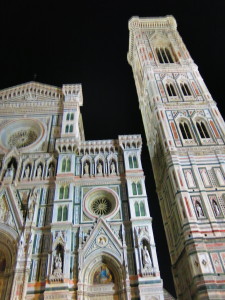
(22, 138)
(101, 206)
(101, 202)
(21, 133)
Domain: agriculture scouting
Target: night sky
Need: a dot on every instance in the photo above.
(87, 42)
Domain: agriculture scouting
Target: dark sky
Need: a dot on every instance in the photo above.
(87, 42)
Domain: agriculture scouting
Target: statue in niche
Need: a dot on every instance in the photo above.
(102, 275)
(39, 171)
(216, 208)
(57, 264)
(199, 209)
(113, 168)
(27, 172)
(146, 259)
(10, 172)
(86, 169)
(51, 171)
(99, 168)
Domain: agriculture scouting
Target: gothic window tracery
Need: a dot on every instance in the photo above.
(139, 209)
(66, 165)
(64, 192)
(203, 132)
(133, 163)
(171, 90)
(185, 130)
(62, 213)
(136, 188)
(70, 117)
(185, 89)
(164, 55)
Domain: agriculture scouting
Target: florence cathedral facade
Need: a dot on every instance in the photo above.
(185, 135)
(74, 215)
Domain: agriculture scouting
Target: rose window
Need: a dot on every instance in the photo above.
(22, 138)
(101, 206)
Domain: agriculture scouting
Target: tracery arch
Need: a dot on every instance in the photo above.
(103, 269)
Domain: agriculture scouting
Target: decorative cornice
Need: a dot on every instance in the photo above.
(31, 91)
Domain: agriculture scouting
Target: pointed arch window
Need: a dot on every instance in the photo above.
(71, 128)
(171, 90)
(164, 55)
(202, 130)
(142, 209)
(67, 117)
(137, 209)
(59, 216)
(137, 188)
(185, 131)
(61, 192)
(134, 188)
(62, 213)
(65, 213)
(66, 165)
(133, 163)
(185, 89)
(67, 129)
(64, 192)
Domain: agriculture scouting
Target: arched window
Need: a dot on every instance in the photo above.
(71, 128)
(67, 117)
(59, 217)
(142, 209)
(171, 90)
(168, 54)
(67, 129)
(202, 130)
(159, 56)
(137, 210)
(139, 188)
(66, 192)
(185, 89)
(61, 192)
(131, 162)
(64, 165)
(68, 165)
(65, 213)
(135, 161)
(164, 55)
(185, 131)
(134, 188)
(72, 116)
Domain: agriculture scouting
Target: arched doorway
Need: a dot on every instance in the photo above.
(7, 263)
(103, 279)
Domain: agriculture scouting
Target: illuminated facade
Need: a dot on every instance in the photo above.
(74, 216)
(185, 134)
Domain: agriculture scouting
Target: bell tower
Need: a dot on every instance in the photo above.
(185, 136)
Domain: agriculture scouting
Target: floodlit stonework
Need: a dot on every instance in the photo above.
(74, 216)
(185, 134)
